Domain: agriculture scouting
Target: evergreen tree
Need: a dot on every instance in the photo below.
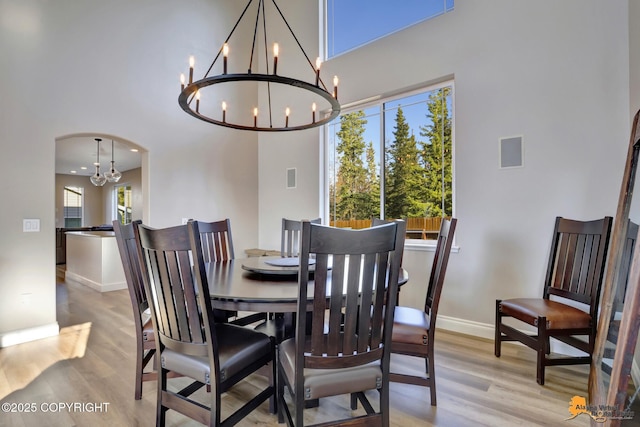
(436, 155)
(352, 189)
(373, 182)
(404, 179)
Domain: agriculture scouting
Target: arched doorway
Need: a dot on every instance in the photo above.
(81, 205)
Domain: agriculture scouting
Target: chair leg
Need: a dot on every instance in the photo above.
(431, 373)
(384, 403)
(498, 335)
(161, 411)
(139, 368)
(543, 349)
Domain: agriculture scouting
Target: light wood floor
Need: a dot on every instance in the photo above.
(92, 361)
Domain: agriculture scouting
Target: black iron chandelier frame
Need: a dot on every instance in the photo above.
(189, 91)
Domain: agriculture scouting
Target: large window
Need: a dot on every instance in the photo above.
(352, 23)
(394, 159)
(73, 206)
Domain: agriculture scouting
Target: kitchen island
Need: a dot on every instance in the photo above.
(93, 260)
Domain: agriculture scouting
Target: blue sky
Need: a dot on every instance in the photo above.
(354, 22)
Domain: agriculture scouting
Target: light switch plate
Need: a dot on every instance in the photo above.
(30, 225)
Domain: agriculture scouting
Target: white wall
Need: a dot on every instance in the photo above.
(555, 72)
(112, 68)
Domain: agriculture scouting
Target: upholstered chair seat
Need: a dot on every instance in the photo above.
(558, 315)
(410, 326)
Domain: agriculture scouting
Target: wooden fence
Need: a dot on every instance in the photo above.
(417, 228)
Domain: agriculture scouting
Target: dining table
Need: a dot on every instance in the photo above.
(260, 284)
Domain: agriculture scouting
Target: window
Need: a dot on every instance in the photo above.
(352, 23)
(122, 194)
(73, 206)
(394, 159)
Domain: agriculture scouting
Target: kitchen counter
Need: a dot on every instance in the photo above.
(93, 260)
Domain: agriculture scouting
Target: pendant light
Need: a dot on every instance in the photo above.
(97, 179)
(113, 175)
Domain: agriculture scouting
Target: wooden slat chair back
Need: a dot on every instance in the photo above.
(347, 350)
(413, 329)
(217, 246)
(217, 242)
(574, 272)
(145, 336)
(290, 238)
(190, 342)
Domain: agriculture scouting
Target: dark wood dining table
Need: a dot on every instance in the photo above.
(255, 285)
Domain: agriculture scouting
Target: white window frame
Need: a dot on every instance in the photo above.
(417, 244)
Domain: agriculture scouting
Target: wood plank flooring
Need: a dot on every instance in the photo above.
(92, 362)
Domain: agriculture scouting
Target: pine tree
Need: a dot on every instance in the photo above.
(352, 188)
(436, 155)
(404, 176)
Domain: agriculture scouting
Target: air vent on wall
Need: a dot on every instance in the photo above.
(511, 152)
(291, 178)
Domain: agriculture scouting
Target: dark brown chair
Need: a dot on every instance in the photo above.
(217, 246)
(216, 240)
(290, 238)
(414, 329)
(574, 274)
(190, 342)
(145, 336)
(347, 351)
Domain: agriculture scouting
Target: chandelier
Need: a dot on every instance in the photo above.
(112, 176)
(97, 179)
(193, 99)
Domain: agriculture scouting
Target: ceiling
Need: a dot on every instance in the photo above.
(74, 152)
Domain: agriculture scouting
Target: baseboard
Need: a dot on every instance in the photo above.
(467, 327)
(29, 334)
(100, 287)
(486, 330)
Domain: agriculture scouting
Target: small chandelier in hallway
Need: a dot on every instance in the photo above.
(113, 175)
(97, 179)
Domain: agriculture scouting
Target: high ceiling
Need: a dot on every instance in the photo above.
(75, 152)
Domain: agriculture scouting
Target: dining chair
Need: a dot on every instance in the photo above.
(216, 240)
(190, 341)
(574, 275)
(280, 325)
(145, 336)
(346, 351)
(217, 246)
(414, 329)
(290, 238)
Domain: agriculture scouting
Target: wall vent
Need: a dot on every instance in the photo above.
(291, 178)
(511, 152)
